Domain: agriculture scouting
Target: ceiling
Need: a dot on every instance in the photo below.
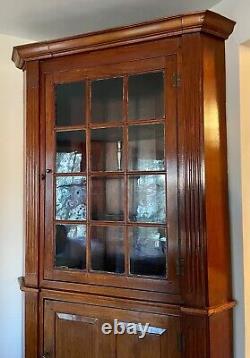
(48, 19)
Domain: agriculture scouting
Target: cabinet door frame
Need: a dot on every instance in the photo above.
(168, 66)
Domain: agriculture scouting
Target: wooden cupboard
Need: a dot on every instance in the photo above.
(126, 191)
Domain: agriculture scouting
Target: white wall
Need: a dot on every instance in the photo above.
(237, 126)
(11, 200)
(245, 170)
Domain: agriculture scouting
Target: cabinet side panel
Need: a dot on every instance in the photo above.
(32, 173)
(216, 187)
(191, 179)
(195, 331)
(221, 335)
(31, 325)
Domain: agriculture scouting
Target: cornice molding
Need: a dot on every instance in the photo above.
(205, 22)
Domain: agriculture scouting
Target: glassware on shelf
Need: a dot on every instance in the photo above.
(106, 149)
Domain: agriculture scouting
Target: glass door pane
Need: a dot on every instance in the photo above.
(107, 199)
(107, 248)
(70, 104)
(146, 147)
(71, 198)
(70, 246)
(145, 96)
(107, 100)
(70, 152)
(147, 201)
(107, 149)
(69, 177)
(148, 249)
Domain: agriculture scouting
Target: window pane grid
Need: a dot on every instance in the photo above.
(127, 172)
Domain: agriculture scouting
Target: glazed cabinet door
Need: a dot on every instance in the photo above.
(111, 208)
(76, 331)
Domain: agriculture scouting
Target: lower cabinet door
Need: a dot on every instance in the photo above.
(73, 330)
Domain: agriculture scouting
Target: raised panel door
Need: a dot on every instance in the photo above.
(76, 331)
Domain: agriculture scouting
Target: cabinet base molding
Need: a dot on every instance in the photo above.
(207, 331)
(208, 311)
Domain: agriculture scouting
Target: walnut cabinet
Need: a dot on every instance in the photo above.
(126, 192)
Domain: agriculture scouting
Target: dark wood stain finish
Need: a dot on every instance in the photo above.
(215, 171)
(32, 173)
(191, 170)
(64, 309)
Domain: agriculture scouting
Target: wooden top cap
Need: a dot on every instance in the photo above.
(204, 21)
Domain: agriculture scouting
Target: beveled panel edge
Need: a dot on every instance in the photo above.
(208, 311)
(157, 331)
(75, 318)
(203, 21)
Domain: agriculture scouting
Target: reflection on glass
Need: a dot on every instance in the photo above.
(71, 198)
(106, 149)
(147, 198)
(71, 246)
(145, 96)
(148, 247)
(146, 147)
(107, 251)
(70, 152)
(107, 199)
(70, 104)
(107, 100)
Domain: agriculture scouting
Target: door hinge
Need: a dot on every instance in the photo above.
(180, 342)
(180, 266)
(176, 80)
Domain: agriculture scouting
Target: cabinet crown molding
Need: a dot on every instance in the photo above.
(204, 21)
